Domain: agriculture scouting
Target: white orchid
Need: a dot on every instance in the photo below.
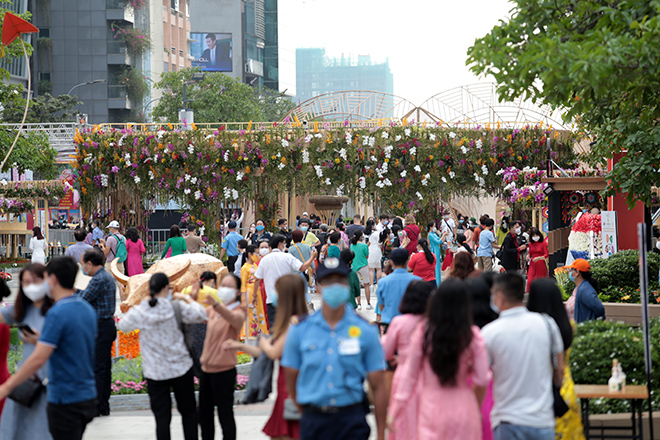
(285, 143)
(432, 137)
(452, 135)
(198, 195)
(417, 169)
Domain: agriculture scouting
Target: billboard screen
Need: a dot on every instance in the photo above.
(212, 51)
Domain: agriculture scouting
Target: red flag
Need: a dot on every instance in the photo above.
(14, 26)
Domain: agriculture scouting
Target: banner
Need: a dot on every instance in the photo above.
(609, 233)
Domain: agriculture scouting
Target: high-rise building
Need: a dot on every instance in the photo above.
(238, 38)
(317, 74)
(95, 49)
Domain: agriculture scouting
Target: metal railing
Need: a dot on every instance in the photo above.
(254, 126)
(117, 48)
(60, 136)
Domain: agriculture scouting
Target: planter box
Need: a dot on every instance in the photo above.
(629, 313)
(136, 402)
(244, 369)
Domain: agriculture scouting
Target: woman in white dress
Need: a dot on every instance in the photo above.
(375, 251)
(38, 246)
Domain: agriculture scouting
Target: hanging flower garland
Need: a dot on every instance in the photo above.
(406, 167)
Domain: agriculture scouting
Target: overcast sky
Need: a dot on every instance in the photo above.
(426, 41)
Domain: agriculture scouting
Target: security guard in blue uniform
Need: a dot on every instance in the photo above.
(327, 357)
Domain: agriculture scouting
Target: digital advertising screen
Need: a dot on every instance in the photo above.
(211, 51)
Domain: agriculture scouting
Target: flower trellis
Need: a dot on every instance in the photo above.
(403, 167)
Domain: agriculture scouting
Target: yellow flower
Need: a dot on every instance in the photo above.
(354, 331)
(337, 160)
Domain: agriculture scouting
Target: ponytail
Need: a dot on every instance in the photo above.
(157, 282)
(356, 237)
(251, 249)
(424, 243)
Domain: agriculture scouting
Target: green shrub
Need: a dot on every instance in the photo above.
(618, 277)
(14, 356)
(598, 342)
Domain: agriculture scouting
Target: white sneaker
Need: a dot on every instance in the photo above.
(359, 307)
(370, 307)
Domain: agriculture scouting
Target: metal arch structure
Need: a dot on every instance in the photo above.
(352, 105)
(479, 104)
(469, 105)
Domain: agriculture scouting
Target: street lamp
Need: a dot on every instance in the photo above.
(96, 81)
(188, 115)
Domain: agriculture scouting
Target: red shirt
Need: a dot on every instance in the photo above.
(421, 267)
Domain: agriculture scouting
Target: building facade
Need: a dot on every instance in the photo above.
(317, 74)
(94, 49)
(237, 38)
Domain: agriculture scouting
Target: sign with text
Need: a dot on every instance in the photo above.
(609, 233)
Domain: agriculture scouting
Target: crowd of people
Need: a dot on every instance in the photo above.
(456, 352)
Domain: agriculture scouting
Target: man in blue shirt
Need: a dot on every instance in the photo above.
(485, 249)
(392, 287)
(327, 357)
(75, 251)
(230, 246)
(97, 233)
(67, 342)
(101, 295)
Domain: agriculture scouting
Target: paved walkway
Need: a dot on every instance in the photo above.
(250, 419)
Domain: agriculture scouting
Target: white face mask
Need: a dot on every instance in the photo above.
(536, 238)
(264, 251)
(227, 295)
(517, 231)
(36, 292)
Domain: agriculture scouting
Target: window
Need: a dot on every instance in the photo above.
(166, 66)
(174, 50)
(188, 8)
(175, 5)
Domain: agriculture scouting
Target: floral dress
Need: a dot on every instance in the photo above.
(256, 315)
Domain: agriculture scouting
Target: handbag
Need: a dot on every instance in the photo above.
(261, 379)
(499, 254)
(27, 392)
(559, 404)
(291, 411)
(187, 338)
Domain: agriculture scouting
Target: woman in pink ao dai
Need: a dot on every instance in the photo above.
(444, 352)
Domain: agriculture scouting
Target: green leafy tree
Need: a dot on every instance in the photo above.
(43, 109)
(274, 105)
(596, 60)
(32, 152)
(218, 98)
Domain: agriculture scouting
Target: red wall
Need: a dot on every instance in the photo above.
(627, 219)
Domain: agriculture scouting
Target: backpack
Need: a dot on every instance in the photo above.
(121, 252)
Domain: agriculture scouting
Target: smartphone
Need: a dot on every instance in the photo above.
(25, 328)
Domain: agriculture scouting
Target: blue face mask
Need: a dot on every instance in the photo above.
(303, 228)
(169, 295)
(571, 276)
(260, 228)
(494, 307)
(336, 295)
(461, 221)
(275, 300)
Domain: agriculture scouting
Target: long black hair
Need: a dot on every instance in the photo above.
(357, 235)
(482, 312)
(369, 228)
(384, 235)
(448, 330)
(461, 240)
(175, 231)
(416, 298)
(424, 244)
(157, 282)
(545, 297)
(132, 234)
(588, 277)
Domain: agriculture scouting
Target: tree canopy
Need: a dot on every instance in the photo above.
(43, 109)
(598, 61)
(218, 98)
(14, 50)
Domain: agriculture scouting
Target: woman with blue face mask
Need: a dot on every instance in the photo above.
(584, 305)
(260, 233)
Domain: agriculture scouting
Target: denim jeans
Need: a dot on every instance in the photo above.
(507, 431)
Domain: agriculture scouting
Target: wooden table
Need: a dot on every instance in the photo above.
(635, 393)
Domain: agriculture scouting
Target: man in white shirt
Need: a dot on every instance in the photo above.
(448, 225)
(274, 265)
(522, 347)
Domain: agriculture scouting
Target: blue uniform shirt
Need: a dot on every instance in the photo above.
(70, 329)
(230, 243)
(332, 363)
(390, 291)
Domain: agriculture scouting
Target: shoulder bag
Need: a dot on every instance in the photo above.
(559, 404)
(27, 392)
(187, 338)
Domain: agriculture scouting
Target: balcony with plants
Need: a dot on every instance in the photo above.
(127, 89)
